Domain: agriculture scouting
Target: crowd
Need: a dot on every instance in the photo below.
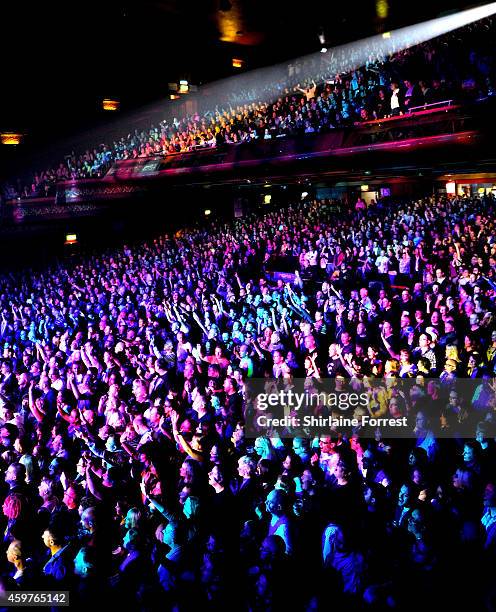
(457, 67)
(124, 386)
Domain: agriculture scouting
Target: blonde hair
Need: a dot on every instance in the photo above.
(392, 365)
(16, 549)
(452, 352)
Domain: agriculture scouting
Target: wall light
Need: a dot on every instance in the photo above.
(10, 138)
(382, 9)
(110, 105)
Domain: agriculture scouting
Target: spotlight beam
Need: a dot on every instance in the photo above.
(350, 56)
(267, 83)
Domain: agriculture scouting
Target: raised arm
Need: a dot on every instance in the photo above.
(388, 347)
(37, 413)
(240, 284)
(185, 445)
(91, 482)
(273, 315)
(257, 348)
(73, 386)
(200, 324)
(63, 414)
(162, 508)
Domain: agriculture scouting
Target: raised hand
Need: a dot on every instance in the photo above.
(174, 419)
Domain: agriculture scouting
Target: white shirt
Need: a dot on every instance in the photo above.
(395, 103)
(382, 263)
(312, 258)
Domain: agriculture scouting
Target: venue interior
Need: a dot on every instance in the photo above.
(248, 305)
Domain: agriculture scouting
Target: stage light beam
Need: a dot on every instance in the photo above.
(268, 83)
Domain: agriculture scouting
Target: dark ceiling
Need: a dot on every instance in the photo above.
(59, 59)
